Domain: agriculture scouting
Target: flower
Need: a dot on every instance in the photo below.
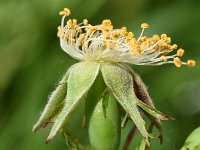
(103, 43)
(101, 48)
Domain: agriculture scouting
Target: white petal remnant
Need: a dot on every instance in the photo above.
(103, 43)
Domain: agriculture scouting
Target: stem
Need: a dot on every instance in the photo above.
(129, 137)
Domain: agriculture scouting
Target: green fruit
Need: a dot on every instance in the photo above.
(193, 141)
(104, 125)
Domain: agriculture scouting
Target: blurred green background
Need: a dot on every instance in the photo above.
(31, 63)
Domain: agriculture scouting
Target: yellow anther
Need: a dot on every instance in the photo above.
(177, 62)
(69, 23)
(62, 13)
(174, 46)
(92, 28)
(130, 35)
(169, 40)
(106, 22)
(123, 31)
(163, 58)
(106, 34)
(161, 43)
(151, 43)
(141, 52)
(144, 26)
(156, 37)
(191, 63)
(180, 52)
(164, 37)
(73, 41)
(132, 41)
(65, 12)
(143, 38)
(85, 22)
(59, 31)
(74, 21)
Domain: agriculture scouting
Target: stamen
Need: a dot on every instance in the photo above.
(84, 41)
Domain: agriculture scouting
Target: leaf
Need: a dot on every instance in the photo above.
(81, 78)
(55, 100)
(120, 82)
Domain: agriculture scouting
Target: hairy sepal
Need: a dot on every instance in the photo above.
(81, 77)
(147, 106)
(54, 103)
(120, 82)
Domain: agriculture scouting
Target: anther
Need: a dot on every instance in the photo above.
(144, 26)
(177, 62)
(85, 22)
(65, 12)
(163, 58)
(191, 63)
(180, 52)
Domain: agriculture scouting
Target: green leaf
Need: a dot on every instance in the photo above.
(81, 78)
(120, 82)
(54, 102)
(104, 132)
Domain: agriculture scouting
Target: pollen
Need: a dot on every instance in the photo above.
(191, 63)
(84, 41)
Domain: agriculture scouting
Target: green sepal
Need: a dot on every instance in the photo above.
(143, 145)
(81, 77)
(125, 120)
(152, 111)
(120, 82)
(54, 102)
(71, 143)
(143, 95)
(104, 131)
